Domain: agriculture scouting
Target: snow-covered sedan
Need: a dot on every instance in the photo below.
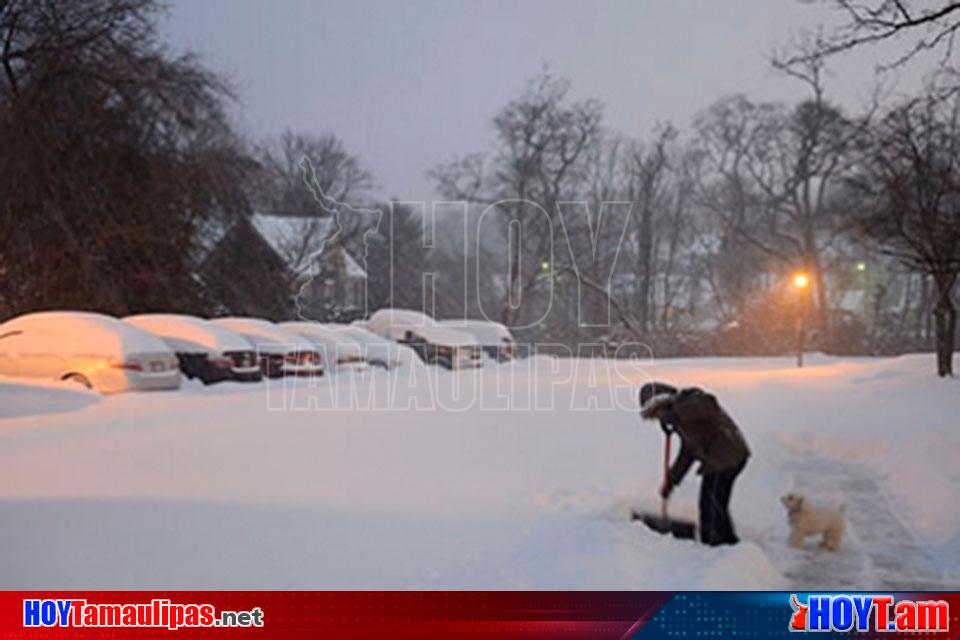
(340, 352)
(434, 343)
(377, 350)
(280, 351)
(206, 351)
(91, 349)
(495, 338)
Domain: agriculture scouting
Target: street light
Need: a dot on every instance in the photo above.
(801, 282)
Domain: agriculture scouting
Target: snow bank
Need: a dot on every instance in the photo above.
(507, 477)
(38, 397)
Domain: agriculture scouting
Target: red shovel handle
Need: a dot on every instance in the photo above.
(666, 477)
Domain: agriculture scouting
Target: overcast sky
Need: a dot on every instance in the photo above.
(409, 83)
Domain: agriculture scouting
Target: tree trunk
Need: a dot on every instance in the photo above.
(945, 319)
(822, 299)
(645, 264)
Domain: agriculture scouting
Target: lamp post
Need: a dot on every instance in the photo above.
(801, 282)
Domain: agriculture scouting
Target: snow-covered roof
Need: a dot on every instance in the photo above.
(296, 239)
(354, 270)
(210, 233)
(188, 332)
(300, 240)
(86, 333)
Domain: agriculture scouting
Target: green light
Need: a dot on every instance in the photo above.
(861, 266)
(545, 265)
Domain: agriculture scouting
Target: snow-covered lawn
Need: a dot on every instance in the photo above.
(516, 477)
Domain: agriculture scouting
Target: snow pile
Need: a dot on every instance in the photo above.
(22, 397)
(508, 477)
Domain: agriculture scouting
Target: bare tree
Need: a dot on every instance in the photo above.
(724, 192)
(313, 178)
(542, 142)
(911, 177)
(338, 174)
(927, 25)
(782, 167)
(648, 170)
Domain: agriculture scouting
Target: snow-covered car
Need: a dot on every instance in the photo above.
(91, 349)
(495, 338)
(340, 352)
(377, 350)
(205, 350)
(435, 344)
(280, 351)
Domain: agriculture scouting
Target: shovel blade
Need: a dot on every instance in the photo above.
(683, 529)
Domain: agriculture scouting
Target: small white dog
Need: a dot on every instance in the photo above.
(807, 520)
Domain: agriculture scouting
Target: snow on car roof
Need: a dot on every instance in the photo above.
(263, 334)
(387, 322)
(394, 324)
(341, 343)
(92, 333)
(445, 336)
(358, 333)
(487, 332)
(190, 330)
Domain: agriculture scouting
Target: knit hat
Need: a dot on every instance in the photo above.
(654, 396)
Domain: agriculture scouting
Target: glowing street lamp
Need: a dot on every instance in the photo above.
(801, 282)
(861, 267)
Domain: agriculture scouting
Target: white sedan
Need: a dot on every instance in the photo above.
(281, 352)
(93, 350)
(340, 351)
(377, 350)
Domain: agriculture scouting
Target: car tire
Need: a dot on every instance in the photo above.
(78, 378)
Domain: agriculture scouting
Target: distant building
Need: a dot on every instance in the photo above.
(282, 266)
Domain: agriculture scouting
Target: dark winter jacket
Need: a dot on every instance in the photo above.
(707, 433)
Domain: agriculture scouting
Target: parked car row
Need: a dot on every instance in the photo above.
(454, 344)
(153, 351)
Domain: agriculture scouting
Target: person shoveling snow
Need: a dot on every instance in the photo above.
(708, 435)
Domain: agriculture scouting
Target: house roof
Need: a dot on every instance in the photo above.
(301, 240)
(296, 240)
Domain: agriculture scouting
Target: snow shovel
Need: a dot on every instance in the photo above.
(662, 522)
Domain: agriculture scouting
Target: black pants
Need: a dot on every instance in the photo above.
(715, 525)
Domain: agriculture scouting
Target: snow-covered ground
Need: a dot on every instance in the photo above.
(519, 476)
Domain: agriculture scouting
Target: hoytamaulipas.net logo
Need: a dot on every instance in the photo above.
(158, 613)
(865, 613)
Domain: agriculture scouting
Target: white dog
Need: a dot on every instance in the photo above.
(807, 520)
